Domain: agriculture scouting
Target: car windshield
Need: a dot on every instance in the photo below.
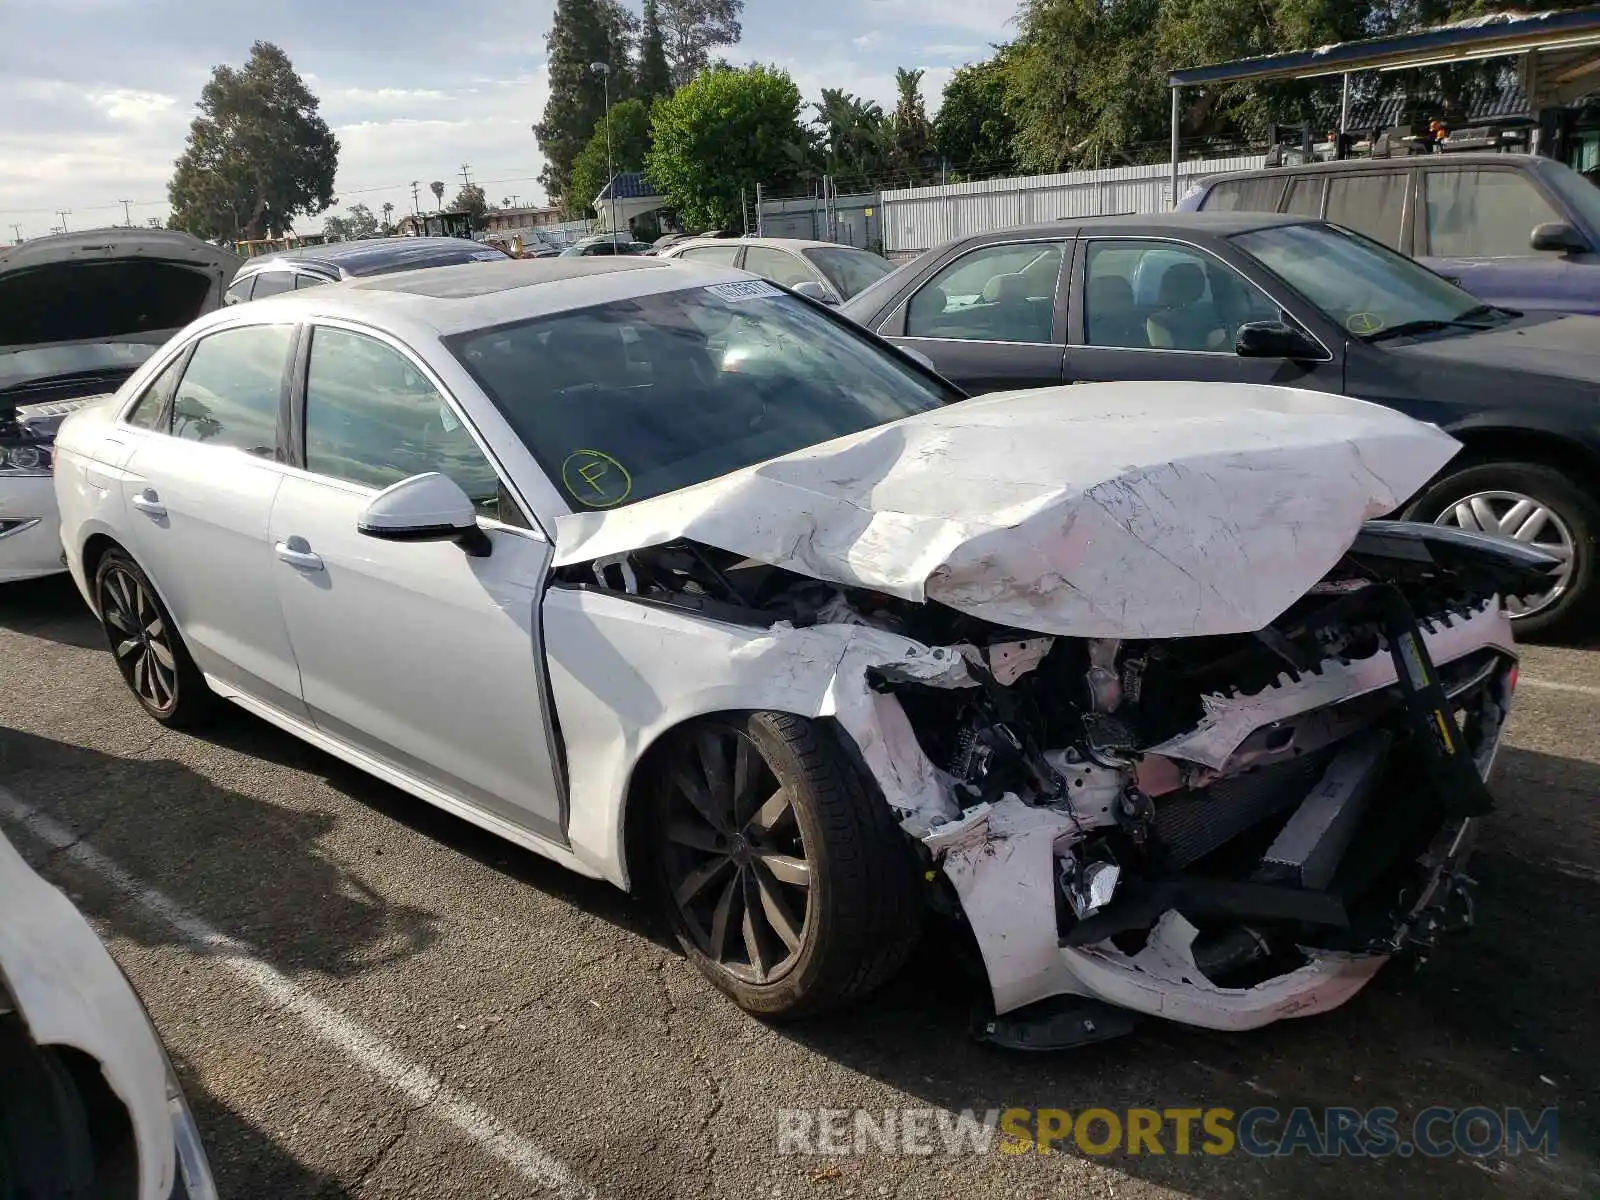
(1581, 196)
(627, 400)
(20, 367)
(849, 270)
(1365, 287)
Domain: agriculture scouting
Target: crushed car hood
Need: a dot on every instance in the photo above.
(1142, 510)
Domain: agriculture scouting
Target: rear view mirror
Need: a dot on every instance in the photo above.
(1273, 339)
(813, 290)
(1557, 236)
(424, 508)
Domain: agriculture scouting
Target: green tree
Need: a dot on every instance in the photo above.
(691, 29)
(852, 140)
(630, 145)
(725, 131)
(471, 200)
(357, 222)
(973, 133)
(908, 134)
(583, 32)
(257, 156)
(388, 219)
(654, 76)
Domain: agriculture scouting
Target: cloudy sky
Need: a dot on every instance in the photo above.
(98, 94)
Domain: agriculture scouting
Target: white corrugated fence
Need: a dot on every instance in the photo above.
(917, 219)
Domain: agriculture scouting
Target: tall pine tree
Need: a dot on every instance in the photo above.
(692, 28)
(655, 76)
(582, 33)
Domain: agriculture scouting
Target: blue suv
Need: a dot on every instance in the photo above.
(1516, 230)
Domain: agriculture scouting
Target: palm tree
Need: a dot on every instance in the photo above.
(388, 215)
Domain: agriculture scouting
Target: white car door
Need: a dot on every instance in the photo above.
(417, 654)
(198, 489)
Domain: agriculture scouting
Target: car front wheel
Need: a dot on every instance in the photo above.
(786, 878)
(146, 645)
(1539, 506)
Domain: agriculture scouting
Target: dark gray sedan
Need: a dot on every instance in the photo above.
(1255, 298)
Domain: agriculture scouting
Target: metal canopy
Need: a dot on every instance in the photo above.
(1545, 39)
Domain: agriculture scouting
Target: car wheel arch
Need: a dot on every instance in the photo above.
(1484, 443)
(632, 809)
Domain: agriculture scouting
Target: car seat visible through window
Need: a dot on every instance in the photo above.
(1185, 319)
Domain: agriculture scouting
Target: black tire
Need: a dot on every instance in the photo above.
(147, 647)
(1574, 612)
(859, 914)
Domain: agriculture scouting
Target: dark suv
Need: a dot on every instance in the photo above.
(1512, 229)
(291, 270)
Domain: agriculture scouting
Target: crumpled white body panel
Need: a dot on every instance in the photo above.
(71, 993)
(1146, 510)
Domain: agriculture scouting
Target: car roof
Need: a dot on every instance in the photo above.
(440, 301)
(1483, 158)
(775, 243)
(370, 255)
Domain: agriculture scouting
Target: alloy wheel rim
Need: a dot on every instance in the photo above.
(140, 641)
(736, 860)
(1522, 519)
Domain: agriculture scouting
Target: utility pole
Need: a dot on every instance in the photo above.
(466, 180)
(758, 211)
(127, 217)
(604, 71)
(63, 213)
(416, 207)
(17, 229)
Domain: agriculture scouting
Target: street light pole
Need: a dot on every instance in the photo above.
(604, 71)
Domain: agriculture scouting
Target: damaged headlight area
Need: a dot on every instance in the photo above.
(1222, 830)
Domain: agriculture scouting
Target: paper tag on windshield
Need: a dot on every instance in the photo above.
(734, 293)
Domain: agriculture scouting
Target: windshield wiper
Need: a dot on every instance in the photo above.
(1479, 311)
(1407, 328)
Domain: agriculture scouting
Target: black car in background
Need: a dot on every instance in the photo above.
(1257, 298)
(289, 270)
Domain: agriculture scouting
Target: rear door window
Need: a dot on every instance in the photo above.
(1372, 202)
(1305, 196)
(1482, 214)
(1003, 293)
(239, 290)
(232, 390)
(1258, 194)
(722, 256)
(272, 283)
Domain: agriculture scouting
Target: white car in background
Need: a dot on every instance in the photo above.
(78, 313)
(685, 582)
(824, 271)
(89, 1103)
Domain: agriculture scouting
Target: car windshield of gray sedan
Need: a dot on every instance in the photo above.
(630, 399)
(1370, 290)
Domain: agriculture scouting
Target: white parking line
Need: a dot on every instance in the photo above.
(420, 1086)
(1550, 685)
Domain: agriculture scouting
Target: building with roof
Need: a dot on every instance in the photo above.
(630, 194)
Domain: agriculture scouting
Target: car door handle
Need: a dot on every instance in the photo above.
(149, 503)
(296, 551)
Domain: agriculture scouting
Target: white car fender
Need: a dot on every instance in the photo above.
(70, 992)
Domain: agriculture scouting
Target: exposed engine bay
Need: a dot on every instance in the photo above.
(1221, 829)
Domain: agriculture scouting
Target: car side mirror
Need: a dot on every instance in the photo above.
(920, 357)
(425, 508)
(812, 290)
(1273, 339)
(1557, 236)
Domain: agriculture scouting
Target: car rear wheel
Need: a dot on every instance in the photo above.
(146, 646)
(1536, 505)
(786, 879)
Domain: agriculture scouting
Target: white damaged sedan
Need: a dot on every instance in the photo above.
(685, 582)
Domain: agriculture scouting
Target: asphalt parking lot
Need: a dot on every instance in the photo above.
(367, 997)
